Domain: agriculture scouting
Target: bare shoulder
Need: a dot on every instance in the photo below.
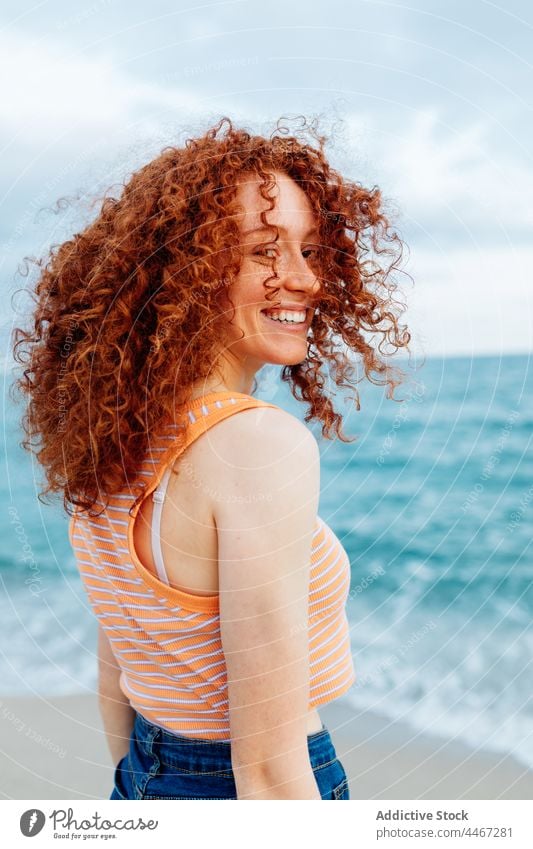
(259, 448)
(261, 433)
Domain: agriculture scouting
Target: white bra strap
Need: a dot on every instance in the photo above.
(158, 497)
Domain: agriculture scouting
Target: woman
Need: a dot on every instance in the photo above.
(221, 597)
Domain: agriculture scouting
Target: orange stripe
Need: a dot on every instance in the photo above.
(159, 631)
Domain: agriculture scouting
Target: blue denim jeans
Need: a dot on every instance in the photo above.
(161, 765)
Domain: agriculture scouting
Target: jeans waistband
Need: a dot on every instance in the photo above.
(178, 749)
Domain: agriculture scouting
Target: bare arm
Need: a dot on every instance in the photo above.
(265, 527)
(117, 714)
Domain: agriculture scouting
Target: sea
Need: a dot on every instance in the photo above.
(433, 501)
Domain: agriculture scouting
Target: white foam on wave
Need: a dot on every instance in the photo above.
(450, 676)
(52, 646)
(446, 672)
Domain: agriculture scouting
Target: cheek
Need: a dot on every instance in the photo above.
(247, 291)
(237, 305)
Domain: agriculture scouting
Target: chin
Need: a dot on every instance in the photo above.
(278, 358)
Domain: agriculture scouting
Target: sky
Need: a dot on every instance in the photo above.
(431, 101)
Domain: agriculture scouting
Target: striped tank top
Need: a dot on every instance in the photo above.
(167, 641)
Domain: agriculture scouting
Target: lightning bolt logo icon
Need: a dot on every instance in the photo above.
(32, 822)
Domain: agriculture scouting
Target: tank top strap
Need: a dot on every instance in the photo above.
(202, 414)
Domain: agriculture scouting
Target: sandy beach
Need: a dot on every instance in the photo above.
(56, 749)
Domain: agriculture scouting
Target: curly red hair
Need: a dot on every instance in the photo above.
(143, 279)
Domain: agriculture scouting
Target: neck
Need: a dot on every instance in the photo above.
(231, 377)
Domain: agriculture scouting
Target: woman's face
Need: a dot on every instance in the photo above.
(268, 339)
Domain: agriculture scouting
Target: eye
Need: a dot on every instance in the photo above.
(268, 252)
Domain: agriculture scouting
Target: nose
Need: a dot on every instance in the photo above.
(297, 275)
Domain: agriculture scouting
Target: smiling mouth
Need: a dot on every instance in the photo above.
(282, 323)
(288, 322)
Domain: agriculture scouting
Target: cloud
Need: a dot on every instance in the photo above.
(70, 116)
(55, 93)
(471, 302)
(451, 180)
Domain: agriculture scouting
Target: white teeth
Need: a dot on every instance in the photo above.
(287, 315)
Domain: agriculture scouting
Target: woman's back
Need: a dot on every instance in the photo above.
(224, 254)
(271, 554)
(189, 542)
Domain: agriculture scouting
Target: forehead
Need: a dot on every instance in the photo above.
(292, 210)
